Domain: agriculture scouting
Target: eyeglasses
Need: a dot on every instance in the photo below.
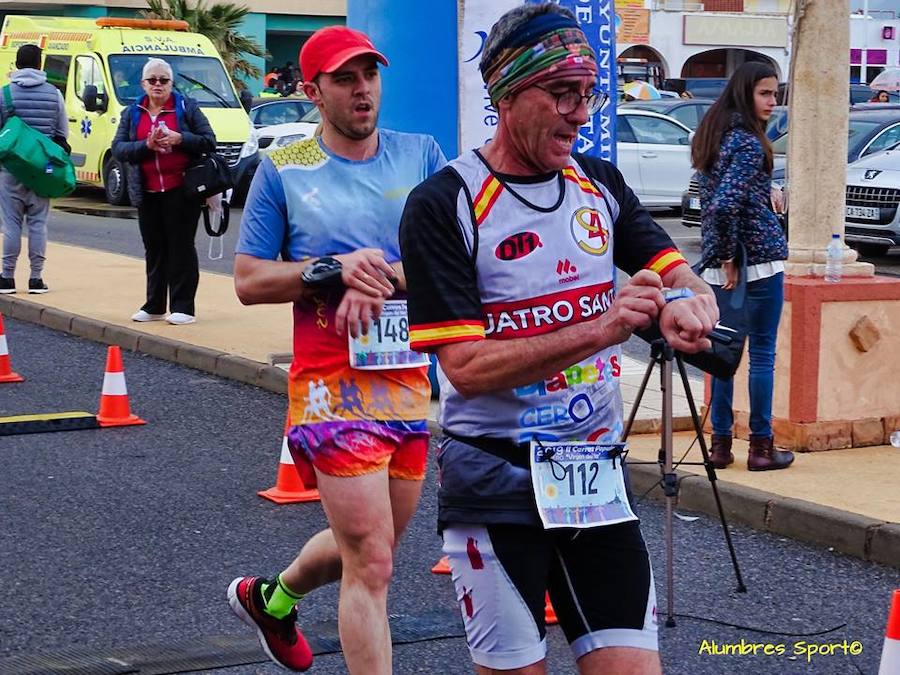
(157, 80)
(568, 101)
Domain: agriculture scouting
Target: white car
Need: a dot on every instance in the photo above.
(873, 203)
(277, 136)
(654, 154)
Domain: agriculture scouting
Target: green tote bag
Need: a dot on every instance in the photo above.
(32, 158)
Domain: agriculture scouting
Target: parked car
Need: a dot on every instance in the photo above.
(654, 155)
(778, 122)
(870, 131)
(265, 112)
(706, 87)
(277, 136)
(873, 203)
(688, 111)
(857, 93)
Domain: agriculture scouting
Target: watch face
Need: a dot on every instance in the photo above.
(324, 271)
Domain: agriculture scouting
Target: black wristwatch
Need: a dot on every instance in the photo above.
(323, 273)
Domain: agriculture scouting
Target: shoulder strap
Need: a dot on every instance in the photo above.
(7, 98)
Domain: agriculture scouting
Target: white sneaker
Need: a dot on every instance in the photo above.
(141, 315)
(179, 319)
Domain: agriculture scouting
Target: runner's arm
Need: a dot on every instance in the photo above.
(481, 366)
(258, 281)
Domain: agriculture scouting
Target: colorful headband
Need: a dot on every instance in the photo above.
(561, 52)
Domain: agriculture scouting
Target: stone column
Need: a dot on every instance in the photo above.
(817, 144)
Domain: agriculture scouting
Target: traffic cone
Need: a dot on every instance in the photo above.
(289, 484)
(114, 409)
(442, 566)
(549, 613)
(6, 372)
(890, 653)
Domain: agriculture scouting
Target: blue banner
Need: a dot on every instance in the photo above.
(597, 19)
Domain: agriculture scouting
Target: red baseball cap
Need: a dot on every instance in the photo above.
(330, 48)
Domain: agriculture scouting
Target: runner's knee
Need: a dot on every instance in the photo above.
(371, 562)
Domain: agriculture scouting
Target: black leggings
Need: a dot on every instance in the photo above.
(168, 223)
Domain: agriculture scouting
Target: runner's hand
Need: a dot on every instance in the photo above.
(686, 323)
(366, 270)
(637, 305)
(355, 312)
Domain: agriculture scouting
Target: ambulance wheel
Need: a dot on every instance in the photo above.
(114, 183)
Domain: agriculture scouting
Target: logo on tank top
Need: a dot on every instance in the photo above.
(517, 246)
(589, 231)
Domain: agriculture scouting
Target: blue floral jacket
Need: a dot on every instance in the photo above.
(735, 202)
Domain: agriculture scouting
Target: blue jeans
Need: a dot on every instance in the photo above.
(765, 298)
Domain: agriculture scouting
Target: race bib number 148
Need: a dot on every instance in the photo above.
(386, 345)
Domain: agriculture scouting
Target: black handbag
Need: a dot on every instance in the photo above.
(722, 360)
(207, 176)
(224, 220)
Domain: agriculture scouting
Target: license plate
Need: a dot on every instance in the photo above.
(866, 212)
(694, 204)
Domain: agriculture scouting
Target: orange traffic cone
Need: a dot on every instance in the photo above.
(6, 372)
(549, 613)
(114, 408)
(442, 566)
(890, 653)
(289, 483)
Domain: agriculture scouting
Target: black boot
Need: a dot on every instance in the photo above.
(764, 457)
(720, 451)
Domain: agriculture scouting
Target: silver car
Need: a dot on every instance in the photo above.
(873, 203)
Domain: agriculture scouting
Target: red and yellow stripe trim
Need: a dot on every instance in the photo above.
(584, 183)
(487, 196)
(424, 335)
(666, 260)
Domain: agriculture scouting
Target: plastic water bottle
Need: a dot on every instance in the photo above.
(895, 439)
(834, 259)
(165, 130)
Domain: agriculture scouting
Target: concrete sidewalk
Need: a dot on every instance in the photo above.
(845, 499)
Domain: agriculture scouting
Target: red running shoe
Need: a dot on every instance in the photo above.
(280, 638)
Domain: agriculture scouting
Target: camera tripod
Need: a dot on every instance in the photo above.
(662, 353)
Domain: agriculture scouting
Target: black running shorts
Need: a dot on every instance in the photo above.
(599, 580)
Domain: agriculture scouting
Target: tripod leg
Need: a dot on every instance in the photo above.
(640, 395)
(711, 474)
(670, 480)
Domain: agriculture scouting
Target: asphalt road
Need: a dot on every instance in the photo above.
(119, 538)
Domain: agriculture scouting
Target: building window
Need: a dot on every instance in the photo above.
(723, 5)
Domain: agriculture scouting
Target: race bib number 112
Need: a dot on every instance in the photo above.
(579, 484)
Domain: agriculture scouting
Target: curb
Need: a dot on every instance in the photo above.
(859, 536)
(270, 378)
(849, 533)
(99, 211)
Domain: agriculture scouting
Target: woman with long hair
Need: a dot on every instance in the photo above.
(733, 157)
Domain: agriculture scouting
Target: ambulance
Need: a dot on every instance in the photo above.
(97, 64)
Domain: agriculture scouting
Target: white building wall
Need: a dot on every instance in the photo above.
(667, 38)
(867, 33)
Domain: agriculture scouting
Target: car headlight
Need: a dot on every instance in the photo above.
(282, 141)
(251, 147)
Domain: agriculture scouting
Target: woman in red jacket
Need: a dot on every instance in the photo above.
(159, 136)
